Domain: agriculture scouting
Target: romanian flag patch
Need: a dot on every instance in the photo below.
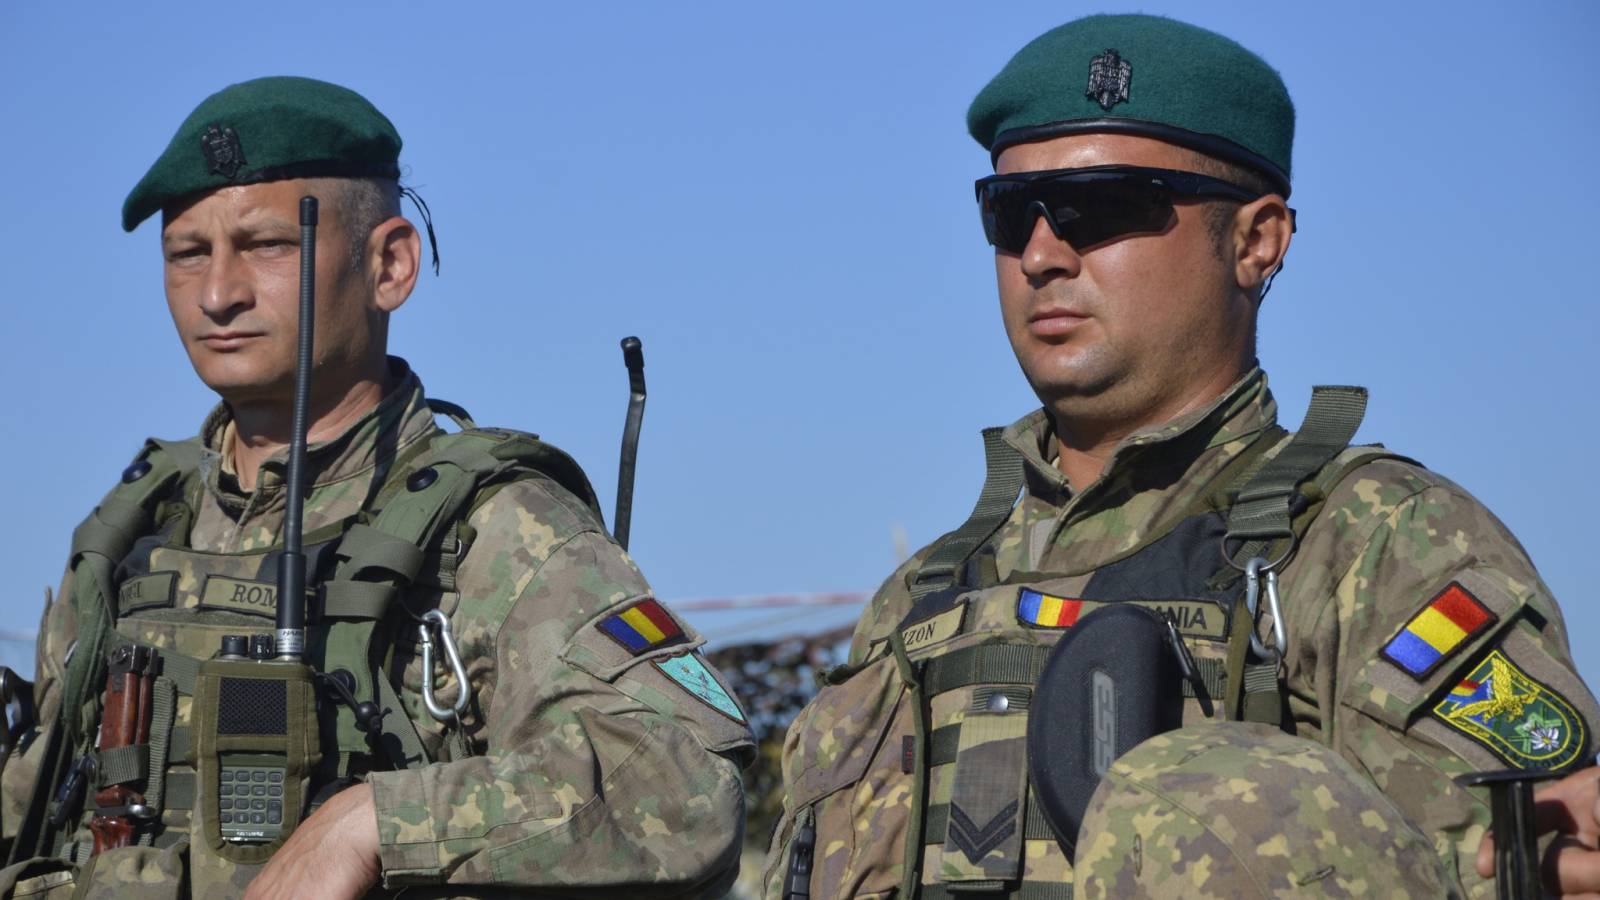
(1448, 622)
(1045, 611)
(642, 627)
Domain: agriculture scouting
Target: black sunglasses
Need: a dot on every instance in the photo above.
(1087, 206)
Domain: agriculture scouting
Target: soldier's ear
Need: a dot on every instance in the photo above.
(1262, 230)
(394, 257)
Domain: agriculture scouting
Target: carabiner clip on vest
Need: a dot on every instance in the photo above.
(1256, 571)
(433, 620)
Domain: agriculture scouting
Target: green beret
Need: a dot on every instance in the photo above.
(1143, 75)
(267, 130)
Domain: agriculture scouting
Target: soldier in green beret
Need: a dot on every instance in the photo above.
(500, 703)
(1176, 650)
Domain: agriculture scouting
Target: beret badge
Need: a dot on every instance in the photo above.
(223, 154)
(1109, 77)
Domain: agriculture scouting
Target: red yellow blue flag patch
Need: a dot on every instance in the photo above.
(1045, 611)
(1448, 622)
(642, 627)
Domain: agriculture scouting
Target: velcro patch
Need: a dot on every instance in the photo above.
(691, 674)
(642, 627)
(146, 591)
(1194, 618)
(1451, 619)
(934, 629)
(1521, 720)
(257, 598)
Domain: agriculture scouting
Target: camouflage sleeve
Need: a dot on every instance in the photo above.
(1434, 649)
(57, 631)
(610, 750)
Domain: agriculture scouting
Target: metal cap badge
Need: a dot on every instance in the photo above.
(1109, 77)
(223, 154)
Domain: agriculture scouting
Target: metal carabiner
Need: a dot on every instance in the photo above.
(1252, 598)
(451, 713)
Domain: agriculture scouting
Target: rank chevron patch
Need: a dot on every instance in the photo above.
(1523, 721)
(976, 840)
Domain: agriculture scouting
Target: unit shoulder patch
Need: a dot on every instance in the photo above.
(1520, 719)
(1448, 622)
(642, 627)
(689, 671)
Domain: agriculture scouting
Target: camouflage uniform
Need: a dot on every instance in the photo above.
(1390, 540)
(590, 767)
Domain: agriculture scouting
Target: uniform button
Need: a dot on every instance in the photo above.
(275, 777)
(227, 804)
(227, 774)
(258, 818)
(136, 471)
(275, 790)
(998, 703)
(274, 808)
(258, 805)
(421, 478)
(274, 819)
(227, 790)
(227, 818)
(260, 790)
(259, 776)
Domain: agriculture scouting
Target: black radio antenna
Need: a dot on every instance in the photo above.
(291, 622)
(633, 358)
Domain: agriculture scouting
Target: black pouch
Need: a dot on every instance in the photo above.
(1112, 681)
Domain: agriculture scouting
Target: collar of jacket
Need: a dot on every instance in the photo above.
(398, 420)
(1243, 410)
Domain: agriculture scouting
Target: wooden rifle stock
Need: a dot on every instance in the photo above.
(125, 722)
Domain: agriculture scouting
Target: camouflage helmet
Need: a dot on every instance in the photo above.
(1244, 811)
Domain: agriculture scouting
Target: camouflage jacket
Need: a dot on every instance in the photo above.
(593, 765)
(1370, 671)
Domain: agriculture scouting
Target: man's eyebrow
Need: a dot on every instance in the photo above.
(178, 237)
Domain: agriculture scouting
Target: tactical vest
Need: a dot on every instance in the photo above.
(374, 576)
(909, 772)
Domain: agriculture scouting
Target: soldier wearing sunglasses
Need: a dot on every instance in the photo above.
(1177, 649)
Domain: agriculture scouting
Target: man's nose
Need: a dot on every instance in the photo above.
(227, 290)
(1046, 255)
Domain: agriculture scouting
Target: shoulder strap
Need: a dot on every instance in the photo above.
(1262, 513)
(1274, 508)
(1001, 485)
(418, 510)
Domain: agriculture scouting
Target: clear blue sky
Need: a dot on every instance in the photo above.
(777, 197)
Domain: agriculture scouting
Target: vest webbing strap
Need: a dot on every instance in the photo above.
(1261, 514)
(984, 664)
(163, 709)
(356, 599)
(1027, 890)
(121, 765)
(1001, 484)
(183, 670)
(378, 552)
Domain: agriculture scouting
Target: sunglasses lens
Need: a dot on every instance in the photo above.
(1084, 212)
